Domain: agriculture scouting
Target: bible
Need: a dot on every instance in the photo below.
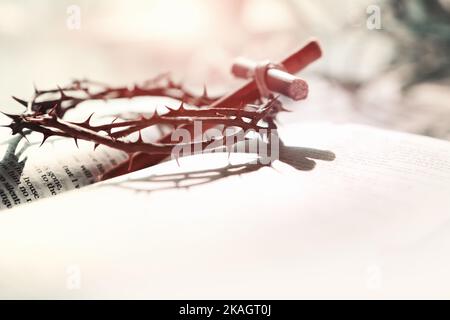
(347, 211)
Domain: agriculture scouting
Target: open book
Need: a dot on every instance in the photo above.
(31, 170)
(348, 211)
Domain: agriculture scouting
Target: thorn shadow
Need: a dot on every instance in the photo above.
(302, 159)
(11, 170)
(12, 155)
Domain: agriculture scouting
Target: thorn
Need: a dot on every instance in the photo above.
(96, 145)
(181, 108)
(11, 116)
(140, 140)
(274, 102)
(22, 102)
(63, 95)
(88, 120)
(76, 142)
(46, 136)
(13, 126)
(170, 109)
(24, 136)
(155, 115)
(205, 92)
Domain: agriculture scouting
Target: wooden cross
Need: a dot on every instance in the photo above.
(274, 77)
(292, 64)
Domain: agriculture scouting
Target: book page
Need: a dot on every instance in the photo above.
(29, 172)
(348, 211)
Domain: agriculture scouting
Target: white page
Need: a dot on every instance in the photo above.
(371, 223)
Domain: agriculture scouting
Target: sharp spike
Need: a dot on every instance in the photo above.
(63, 95)
(205, 92)
(15, 128)
(46, 136)
(96, 145)
(24, 136)
(155, 115)
(22, 102)
(170, 109)
(88, 120)
(140, 140)
(76, 142)
(11, 116)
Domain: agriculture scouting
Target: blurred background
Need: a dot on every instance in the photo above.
(386, 63)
